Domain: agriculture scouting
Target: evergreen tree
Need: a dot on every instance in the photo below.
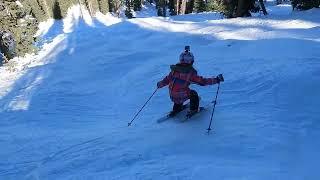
(115, 6)
(278, 2)
(136, 5)
(190, 6)
(111, 5)
(235, 8)
(225, 7)
(128, 12)
(305, 4)
(171, 7)
(103, 6)
(161, 8)
(199, 6)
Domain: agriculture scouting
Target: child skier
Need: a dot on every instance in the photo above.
(181, 76)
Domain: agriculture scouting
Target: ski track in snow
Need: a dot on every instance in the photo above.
(64, 113)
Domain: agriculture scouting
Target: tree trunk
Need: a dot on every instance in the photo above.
(190, 6)
(171, 7)
(178, 7)
(241, 8)
(183, 6)
(263, 7)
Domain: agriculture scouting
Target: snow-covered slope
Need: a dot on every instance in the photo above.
(65, 116)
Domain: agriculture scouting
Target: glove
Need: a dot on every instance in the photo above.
(220, 78)
(158, 85)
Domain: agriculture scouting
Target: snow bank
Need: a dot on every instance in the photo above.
(74, 14)
(44, 27)
(107, 19)
(19, 66)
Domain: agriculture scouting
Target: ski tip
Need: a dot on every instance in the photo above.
(129, 124)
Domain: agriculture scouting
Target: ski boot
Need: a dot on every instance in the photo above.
(190, 113)
(177, 108)
(173, 113)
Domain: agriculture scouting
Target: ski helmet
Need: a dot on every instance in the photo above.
(186, 57)
(187, 48)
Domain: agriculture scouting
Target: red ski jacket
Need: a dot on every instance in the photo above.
(179, 79)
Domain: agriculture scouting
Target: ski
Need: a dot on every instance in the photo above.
(167, 117)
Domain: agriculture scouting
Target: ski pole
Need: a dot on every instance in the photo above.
(129, 124)
(215, 102)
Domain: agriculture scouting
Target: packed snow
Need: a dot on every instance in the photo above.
(64, 111)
